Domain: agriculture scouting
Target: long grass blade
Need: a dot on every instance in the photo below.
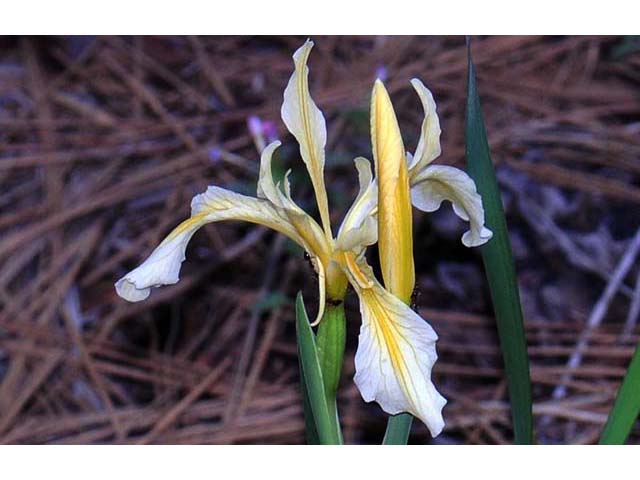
(626, 408)
(311, 376)
(499, 266)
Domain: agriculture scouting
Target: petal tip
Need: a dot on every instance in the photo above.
(474, 239)
(127, 290)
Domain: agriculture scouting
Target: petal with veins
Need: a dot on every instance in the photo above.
(396, 353)
(306, 123)
(429, 144)
(437, 183)
(162, 267)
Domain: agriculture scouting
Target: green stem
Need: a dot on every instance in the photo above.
(331, 339)
(398, 428)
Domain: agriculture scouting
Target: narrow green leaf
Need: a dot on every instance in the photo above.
(311, 375)
(626, 408)
(310, 430)
(398, 428)
(499, 266)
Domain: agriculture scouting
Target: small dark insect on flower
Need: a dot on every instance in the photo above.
(415, 296)
(307, 257)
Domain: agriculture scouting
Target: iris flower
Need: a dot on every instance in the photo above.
(396, 350)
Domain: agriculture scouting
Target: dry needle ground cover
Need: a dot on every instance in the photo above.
(104, 141)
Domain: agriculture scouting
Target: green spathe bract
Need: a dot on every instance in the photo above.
(326, 422)
(330, 342)
(499, 266)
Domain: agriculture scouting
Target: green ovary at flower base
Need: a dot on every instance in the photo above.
(396, 350)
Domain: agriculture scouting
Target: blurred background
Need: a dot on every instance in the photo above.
(104, 141)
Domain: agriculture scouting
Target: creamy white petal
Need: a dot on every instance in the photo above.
(429, 144)
(307, 124)
(437, 183)
(359, 224)
(266, 186)
(396, 353)
(270, 190)
(162, 267)
(359, 237)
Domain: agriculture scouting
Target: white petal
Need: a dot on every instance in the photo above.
(395, 356)
(437, 183)
(359, 237)
(359, 224)
(162, 267)
(429, 144)
(306, 123)
(266, 186)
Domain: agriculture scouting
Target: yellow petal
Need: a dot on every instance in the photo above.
(396, 353)
(306, 123)
(437, 183)
(429, 144)
(394, 199)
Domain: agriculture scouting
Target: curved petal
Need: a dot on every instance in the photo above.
(266, 186)
(162, 267)
(359, 227)
(437, 183)
(306, 123)
(357, 238)
(396, 353)
(429, 144)
(395, 237)
(268, 189)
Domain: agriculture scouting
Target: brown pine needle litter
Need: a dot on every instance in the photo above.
(104, 141)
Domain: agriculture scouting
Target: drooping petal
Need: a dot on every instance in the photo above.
(162, 267)
(293, 222)
(395, 236)
(307, 124)
(359, 227)
(396, 352)
(437, 183)
(429, 144)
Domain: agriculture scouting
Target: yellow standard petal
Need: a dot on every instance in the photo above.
(306, 123)
(396, 352)
(394, 199)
